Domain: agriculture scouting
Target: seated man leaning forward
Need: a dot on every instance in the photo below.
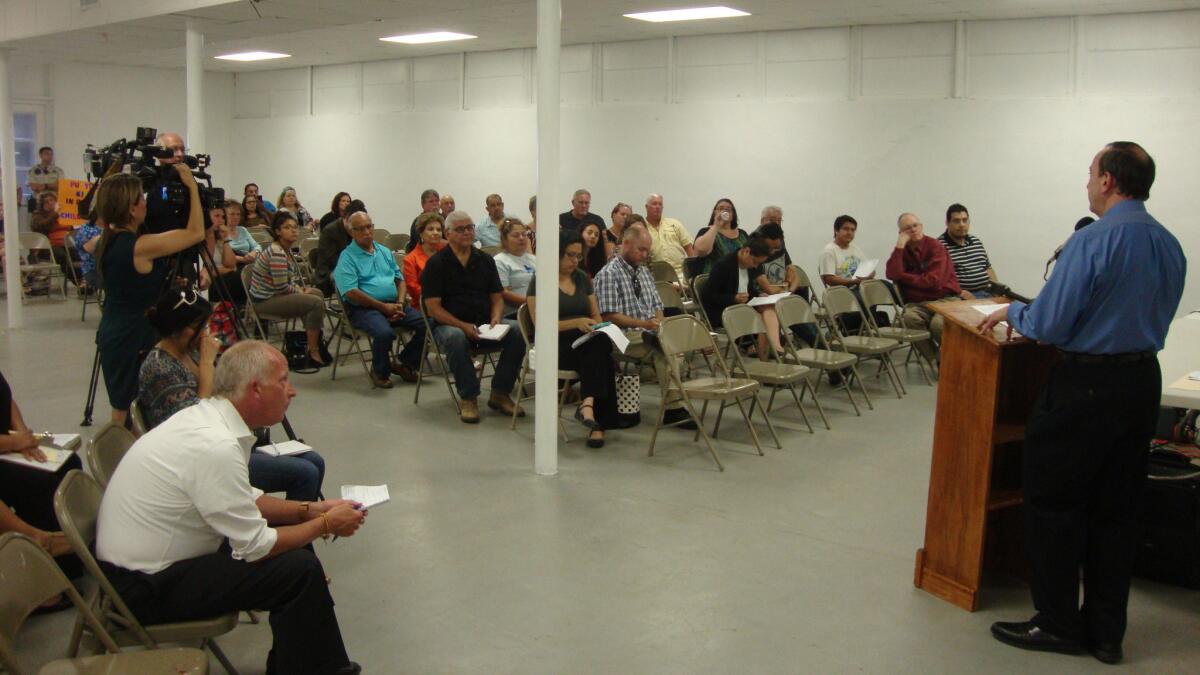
(461, 291)
(372, 288)
(627, 297)
(182, 535)
(921, 269)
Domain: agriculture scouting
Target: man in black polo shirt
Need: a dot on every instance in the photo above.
(461, 291)
(579, 215)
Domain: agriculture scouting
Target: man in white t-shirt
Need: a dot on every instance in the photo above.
(841, 257)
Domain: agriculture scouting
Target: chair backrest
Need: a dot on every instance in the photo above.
(492, 250)
(33, 241)
(698, 283)
(875, 293)
(663, 271)
(684, 334)
(77, 506)
(263, 238)
(104, 451)
(794, 311)
(802, 276)
(525, 324)
(840, 300)
(669, 294)
(30, 578)
(381, 236)
(138, 419)
(398, 241)
(307, 245)
(741, 321)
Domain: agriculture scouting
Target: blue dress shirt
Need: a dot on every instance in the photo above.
(1115, 288)
(486, 232)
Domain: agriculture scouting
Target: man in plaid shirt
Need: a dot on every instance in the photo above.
(627, 297)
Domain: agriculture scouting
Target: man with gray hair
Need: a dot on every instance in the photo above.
(580, 215)
(182, 535)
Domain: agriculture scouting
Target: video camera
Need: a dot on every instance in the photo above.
(167, 200)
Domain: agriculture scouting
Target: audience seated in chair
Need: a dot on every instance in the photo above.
(245, 248)
(921, 269)
(337, 210)
(626, 296)
(217, 243)
(372, 288)
(462, 291)
(31, 491)
(429, 228)
(489, 233)
(577, 313)
(515, 265)
(671, 241)
(734, 280)
(275, 287)
(182, 534)
(178, 373)
(722, 236)
(430, 203)
(970, 258)
(334, 239)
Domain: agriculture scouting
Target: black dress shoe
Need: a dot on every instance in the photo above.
(351, 668)
(1026, 635)
(679, 415)
(1107, 652)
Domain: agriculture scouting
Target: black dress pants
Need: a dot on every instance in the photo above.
(597, 375)
(1084, 466)
(291, 586)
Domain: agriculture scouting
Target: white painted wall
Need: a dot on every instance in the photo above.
(821, 122)
(98, 104)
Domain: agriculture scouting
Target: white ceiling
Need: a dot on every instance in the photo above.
(321, 32)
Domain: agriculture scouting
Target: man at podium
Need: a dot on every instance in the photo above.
(1106, 308)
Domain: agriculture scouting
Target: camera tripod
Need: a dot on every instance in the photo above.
(185, 268)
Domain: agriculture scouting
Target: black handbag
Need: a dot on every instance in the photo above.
(295, 348)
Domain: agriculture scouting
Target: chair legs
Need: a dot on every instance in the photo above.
(221, 658)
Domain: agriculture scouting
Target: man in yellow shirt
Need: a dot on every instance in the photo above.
(671, 242)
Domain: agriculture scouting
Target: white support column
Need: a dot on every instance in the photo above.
(194, 72)
(549, 39)
(8, 166)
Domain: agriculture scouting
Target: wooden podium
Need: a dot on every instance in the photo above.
(987, 387)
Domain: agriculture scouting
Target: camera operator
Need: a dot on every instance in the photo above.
(134, 269)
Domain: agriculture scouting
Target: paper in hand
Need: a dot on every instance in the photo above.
(367, 495)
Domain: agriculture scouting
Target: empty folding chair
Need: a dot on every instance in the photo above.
(839, 301)
(875, 293)
(796, 311)
(744, 321)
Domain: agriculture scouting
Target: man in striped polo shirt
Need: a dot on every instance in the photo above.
(971, 264)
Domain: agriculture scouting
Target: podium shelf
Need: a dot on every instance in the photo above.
(1008, 432)
(1003, 499)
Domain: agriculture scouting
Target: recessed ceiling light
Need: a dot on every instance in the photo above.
(253, 56)
(689, 14)
(426, 38)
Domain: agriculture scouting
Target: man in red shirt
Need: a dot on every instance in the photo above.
(922, 270)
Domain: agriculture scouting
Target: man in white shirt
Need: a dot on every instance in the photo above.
(670, 240)
(841, 257)
(182, 535)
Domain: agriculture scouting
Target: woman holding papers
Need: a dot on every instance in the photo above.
(578, 313)
(734, 281)
(178, 372)
(30, 490)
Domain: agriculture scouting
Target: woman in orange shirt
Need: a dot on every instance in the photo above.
(429, 232)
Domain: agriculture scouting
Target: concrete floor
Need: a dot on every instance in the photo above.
(800, 561)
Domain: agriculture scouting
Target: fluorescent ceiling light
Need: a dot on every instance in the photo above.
(254, 56)
(690, 14)
(426, 38)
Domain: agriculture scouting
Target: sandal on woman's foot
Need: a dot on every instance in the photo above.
(595, 441)
(587, 422)
(316, 360)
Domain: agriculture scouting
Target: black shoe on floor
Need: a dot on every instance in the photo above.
(351, 668)
(1107, 652)
(1027, 635)
(678, 415)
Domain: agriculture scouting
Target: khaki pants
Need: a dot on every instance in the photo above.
(310, 306)
(918, 315)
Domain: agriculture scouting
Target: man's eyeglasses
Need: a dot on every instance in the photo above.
(463, 228)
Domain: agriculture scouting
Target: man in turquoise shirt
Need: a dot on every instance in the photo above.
(1106, 308)
(372, 291)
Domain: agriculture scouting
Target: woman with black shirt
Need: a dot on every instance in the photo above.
(578, 312)
(734, 281)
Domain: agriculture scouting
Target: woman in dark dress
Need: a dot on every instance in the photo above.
(134, 268)
(577, 313)
(722, 236)
(30, 491)
(734, 281)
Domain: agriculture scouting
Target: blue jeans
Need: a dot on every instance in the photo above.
(457, 348)
(380, 330)
(300, 476)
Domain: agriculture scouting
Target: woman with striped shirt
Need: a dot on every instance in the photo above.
(275, 287)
